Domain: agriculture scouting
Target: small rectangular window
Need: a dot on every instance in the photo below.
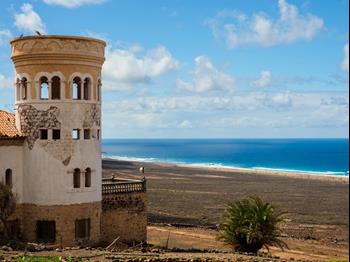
(43, 134)
(86, 133)
(46, 231)
(56, 134)
(82, 228)
(76, 134)
(98, 134)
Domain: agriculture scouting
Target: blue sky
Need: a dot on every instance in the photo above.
(208, 69)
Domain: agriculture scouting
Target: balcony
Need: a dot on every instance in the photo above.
(121, 186)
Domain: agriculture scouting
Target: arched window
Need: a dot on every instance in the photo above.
(18, 88)
(76, 178)
(88, 177)
(76, 88)
(44, 88)
(99, 85)
(87, 84)
(24, 84)
(8, 177)
(56, 88)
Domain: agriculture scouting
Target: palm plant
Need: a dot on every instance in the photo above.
(250, 224)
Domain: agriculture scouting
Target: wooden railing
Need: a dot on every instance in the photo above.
(119, 186)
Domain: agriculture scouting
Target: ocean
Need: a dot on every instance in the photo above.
(314, 156)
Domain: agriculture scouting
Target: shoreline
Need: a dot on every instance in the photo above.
(257, 171)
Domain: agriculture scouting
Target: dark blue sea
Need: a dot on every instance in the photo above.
(317, 156)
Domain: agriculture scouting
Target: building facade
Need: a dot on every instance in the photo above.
(55, 149)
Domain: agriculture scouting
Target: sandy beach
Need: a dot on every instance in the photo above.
(317, 207)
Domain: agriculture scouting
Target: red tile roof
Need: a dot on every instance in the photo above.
(7, 125)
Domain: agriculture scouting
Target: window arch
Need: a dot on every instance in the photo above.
(88, 177)
(87, 85)
(76, 88)
(44, 88)
(18, 88)
(8, 177)
(56, 88)
(99, 85)
(76, 178)
(24, 87)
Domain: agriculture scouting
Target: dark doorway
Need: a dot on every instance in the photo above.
(82, 228)
(46, 231)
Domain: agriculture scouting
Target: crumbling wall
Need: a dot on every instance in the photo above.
(32, 120)
(124, 216)
(92, 116)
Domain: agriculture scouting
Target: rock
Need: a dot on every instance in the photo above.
(33, 247)
(6, 248)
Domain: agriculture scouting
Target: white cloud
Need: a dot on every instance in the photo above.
(5, 82)
(263, 30)
(247, 102)
(185, 124)
(198, 115)
(345, 63)
(73, 3)
(5, 35)
(264, 80)
(206, 78)
(124, 68)
(29, 21)
(281, 100)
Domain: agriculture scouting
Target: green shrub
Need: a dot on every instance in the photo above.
(7, 206)
(250, 224)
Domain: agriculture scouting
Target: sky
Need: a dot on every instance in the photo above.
(204, 69)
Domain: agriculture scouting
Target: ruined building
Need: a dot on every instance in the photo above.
(50, 149)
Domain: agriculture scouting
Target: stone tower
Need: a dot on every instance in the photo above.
(58, 110)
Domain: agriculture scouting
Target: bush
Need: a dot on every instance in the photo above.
(250, 224)
(7, 205)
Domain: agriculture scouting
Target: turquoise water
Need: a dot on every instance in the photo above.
(317, 156)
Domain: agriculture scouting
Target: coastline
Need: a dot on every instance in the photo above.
(256, 171)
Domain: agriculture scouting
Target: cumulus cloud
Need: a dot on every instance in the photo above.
(73, 3)
(239, 29)
(345, 63)
(185, 124)
(28, 20)
(5, 35)
(124, 68)
(263, 81)
(206, 78)
(205, 115)
(5, 82)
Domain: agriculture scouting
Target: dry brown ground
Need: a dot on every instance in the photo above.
(317, 208)
(316, 227)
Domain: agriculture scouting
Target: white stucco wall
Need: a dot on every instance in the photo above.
(12, 157)
(47, 180)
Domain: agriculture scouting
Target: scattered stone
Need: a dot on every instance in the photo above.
(6, 248)
(33, 247)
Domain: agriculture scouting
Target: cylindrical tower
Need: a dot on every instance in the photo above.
(58, 109)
